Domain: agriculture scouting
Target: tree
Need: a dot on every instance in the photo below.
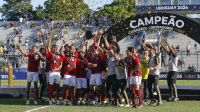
(118, 10)
(13, 9)
(66, 9)
(39, 13)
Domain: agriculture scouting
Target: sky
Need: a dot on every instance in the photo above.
(93, 4)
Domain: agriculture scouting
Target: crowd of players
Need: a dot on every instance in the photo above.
(98, 74)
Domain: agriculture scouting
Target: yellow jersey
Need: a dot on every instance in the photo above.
(144, 67)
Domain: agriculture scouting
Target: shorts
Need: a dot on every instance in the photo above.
(95, 79)
(32, 76)
(47, 76)
(81, 82)
(69, 80)
(54, 77)
(135, 80)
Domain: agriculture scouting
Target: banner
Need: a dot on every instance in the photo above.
(21, 75)
(182, 76)
(166, 8)
(154, 21)
(163, 75)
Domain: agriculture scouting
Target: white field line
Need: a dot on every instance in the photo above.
(36, 109)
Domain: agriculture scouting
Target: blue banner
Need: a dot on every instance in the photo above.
(17, 75)
(166, 8)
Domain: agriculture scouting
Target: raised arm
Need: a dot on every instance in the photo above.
(24, 53)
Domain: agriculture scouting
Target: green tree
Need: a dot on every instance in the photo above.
(66, 9)
(12, 9)
(39, 13)
(118, 9)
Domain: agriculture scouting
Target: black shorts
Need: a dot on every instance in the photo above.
(172, 76)
(121, 84)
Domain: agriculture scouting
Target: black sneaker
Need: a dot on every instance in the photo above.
(152, 102)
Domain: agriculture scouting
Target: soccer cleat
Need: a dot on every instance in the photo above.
(64, 102)
(50, 102)
(175, 99)
(35, 102)
(152, 102)
(83, 102)
(27, 102)
(170, 99)
(70, 103)
(57, 102)
(78, 102)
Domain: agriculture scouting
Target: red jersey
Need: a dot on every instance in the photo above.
(55, 61)
(95, 59)
(33, 62)
(133, 63)
(69, 65)
(81, 66)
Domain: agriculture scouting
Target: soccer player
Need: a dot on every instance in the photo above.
(81, 78)
(32, 74)
(69, 79)
(93, 57)
(55, 63)
(135, 76)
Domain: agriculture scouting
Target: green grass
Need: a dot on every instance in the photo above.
(162, 82)
(17, 105)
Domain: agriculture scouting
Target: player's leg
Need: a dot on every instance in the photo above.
(123, 90)
(84, 89)
(65, 89)
(132, 92)
(99, 87)
(57, 86)
(43, 84)
(72, 89)
(138, 90)
(92, 83)
(50, 87)
(35, 80)
(159, 98)
(29, 78)
(79, 90)
(149, 86)
(169, 83)
(108, 87)
(174, 78)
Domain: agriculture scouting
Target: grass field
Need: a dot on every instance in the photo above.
(162, 82)
(17, 105)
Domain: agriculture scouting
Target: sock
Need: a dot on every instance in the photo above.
(133, 97)
(57, 88)
(27, 94)
(36, 93)
(50, 91)
(139, 94)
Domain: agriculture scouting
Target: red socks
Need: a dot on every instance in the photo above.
(50, 91)
(139, 94)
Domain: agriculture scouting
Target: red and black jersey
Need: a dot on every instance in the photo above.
(80, 67)
(95, 59)
(33, 62)
(133, 63)
(55, 61)
(69, 65)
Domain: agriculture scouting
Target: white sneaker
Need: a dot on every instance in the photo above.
(78, 102)
(58, 102)
(50, 102)
(27, 102)
(70, 103)
(64, 102)
(35, 102)
(83, 102)
(93, 102)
